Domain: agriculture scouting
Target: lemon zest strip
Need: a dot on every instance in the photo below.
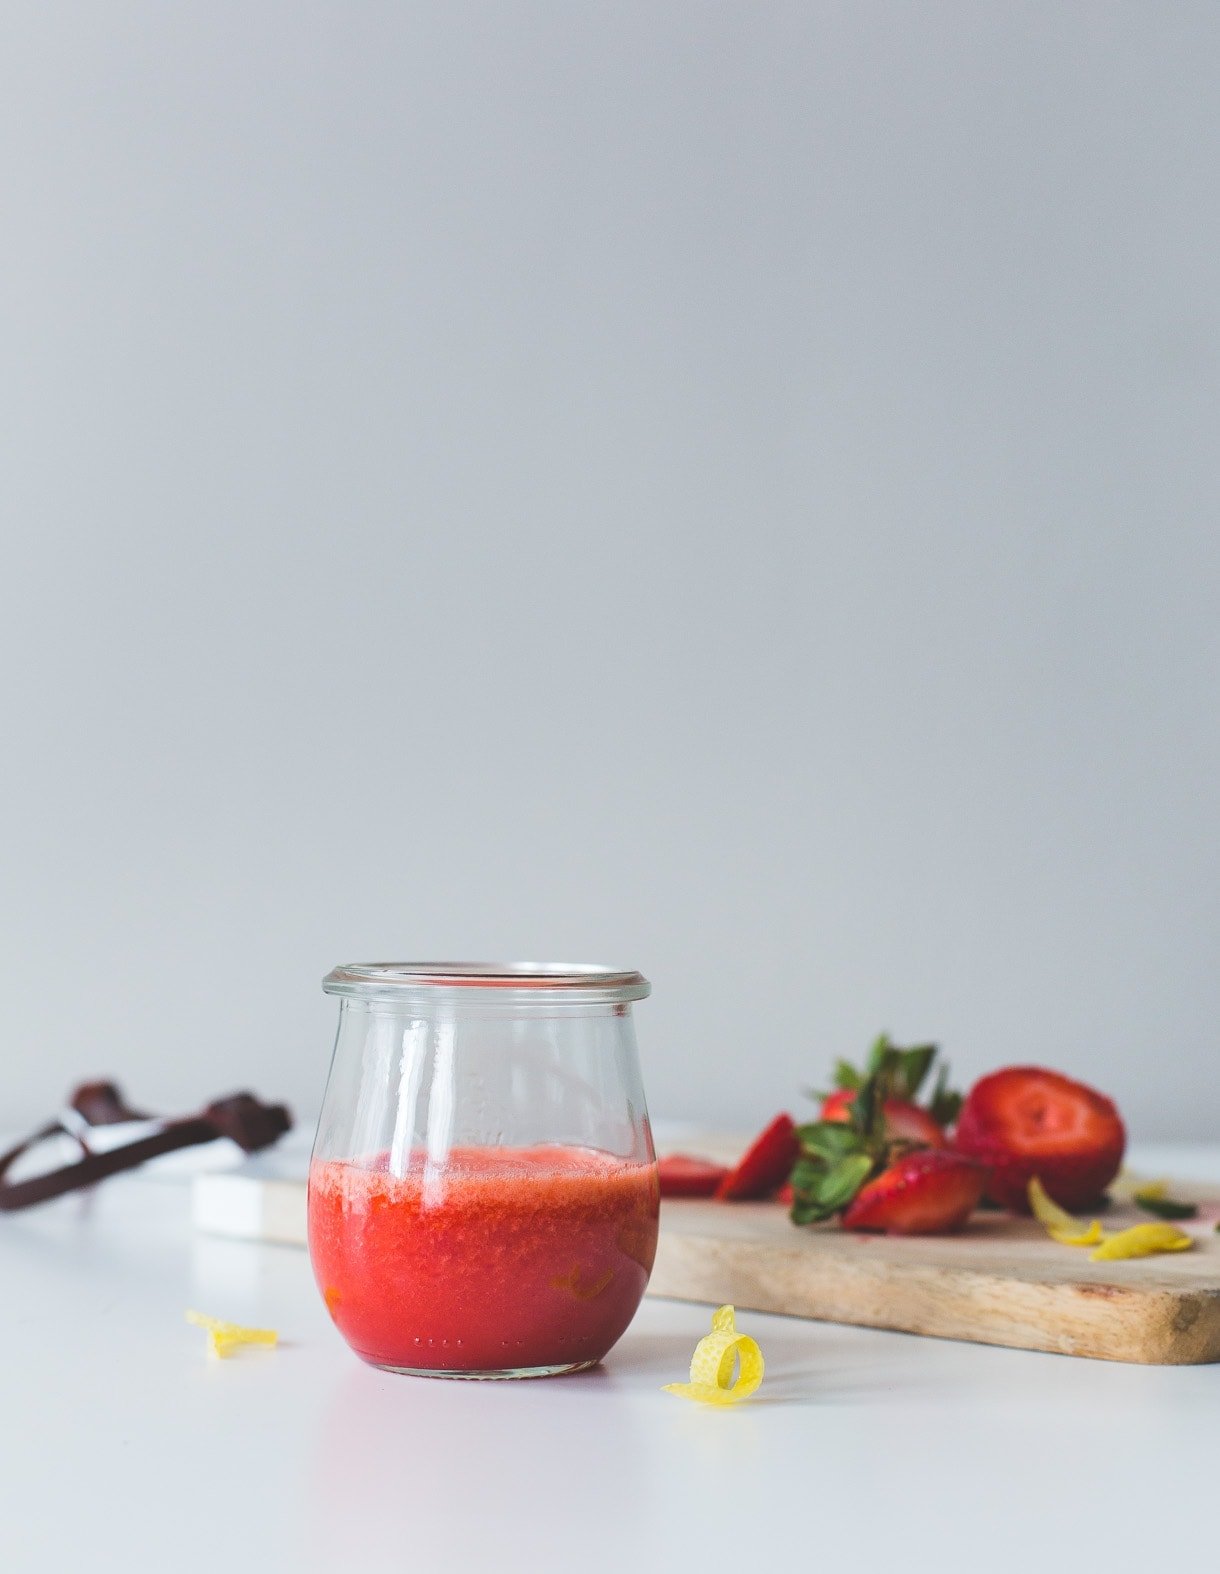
(224, 1338)
(1143, 1240)
(1129, 1184)
(711, 1367)
(1058, 1223)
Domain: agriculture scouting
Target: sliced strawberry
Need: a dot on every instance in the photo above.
(685, 1176)
(837, 1105)
(904, 1121)
(928, 1192)
(1026, 1121)
(765, 1165)
(911, 1124)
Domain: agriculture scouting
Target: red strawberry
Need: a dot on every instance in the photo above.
(765, 1165)
(904, 1121)
(786, 1193)
(1026, 1121)
(836, 1105)
(928, 1192)
(684, 1176)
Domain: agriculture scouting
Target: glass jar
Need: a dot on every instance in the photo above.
(483, 1194)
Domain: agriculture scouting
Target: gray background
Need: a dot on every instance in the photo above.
(728, 489)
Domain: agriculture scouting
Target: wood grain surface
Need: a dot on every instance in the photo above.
(1002, 1281)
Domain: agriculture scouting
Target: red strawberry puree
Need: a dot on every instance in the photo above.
(500, 1259)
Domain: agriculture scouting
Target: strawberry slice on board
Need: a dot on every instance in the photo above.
(1026, 1121)
(928, 1192)
(765, 1165)
(904, 1121)
(683, 1175)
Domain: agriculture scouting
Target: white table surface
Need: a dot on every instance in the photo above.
(125, 1446)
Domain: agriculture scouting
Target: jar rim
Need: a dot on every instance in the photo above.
(586, 981)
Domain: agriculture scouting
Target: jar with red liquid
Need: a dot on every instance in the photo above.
(483, 1195)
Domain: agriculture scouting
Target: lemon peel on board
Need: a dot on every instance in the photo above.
(1142, 1240)
(1128, 1182)
(224, 1338)
(716, 1355)
(1058, 1222)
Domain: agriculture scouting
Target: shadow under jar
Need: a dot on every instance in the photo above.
(483, 1194)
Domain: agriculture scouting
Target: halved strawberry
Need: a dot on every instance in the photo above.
(1026, 1121)
(685, 1176)
(928, 1192)
(904, 1121)
(765, 1165)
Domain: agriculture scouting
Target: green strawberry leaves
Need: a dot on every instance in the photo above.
(837, 1157)
(902, 1070)
(866, 1114)
(908, 1068)
(828, 1141)
(825, 1190)
(944, 1106)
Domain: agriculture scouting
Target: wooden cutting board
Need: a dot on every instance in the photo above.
(1002, 1281)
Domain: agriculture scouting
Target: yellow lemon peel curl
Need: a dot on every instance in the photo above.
(1142, 1240)
(224, 1338)
(711, 1367)
(1129, 1184)
(1058, 1222)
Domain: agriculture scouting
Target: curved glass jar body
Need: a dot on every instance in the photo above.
(483, 1196)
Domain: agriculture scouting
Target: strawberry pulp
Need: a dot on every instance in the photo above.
(495, 1259)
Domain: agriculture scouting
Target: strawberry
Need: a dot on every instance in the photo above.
(684, 1176)
(1026, 1121)
(898, 1075)
(867, 1126)
(904, 1121)
(927, 1192)
(765, 1165)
